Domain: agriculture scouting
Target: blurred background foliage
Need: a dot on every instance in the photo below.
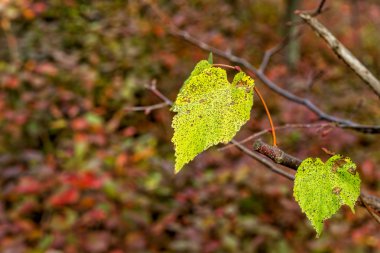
(80, 173)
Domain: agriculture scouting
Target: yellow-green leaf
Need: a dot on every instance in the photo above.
(322, 188)
(210, 110)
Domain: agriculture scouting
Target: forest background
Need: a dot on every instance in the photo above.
(83, 169)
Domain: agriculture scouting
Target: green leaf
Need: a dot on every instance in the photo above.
(210, 110)
(322, 188)
(210, 58)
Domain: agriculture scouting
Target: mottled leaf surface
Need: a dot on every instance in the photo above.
(322, 188)
(210, 110)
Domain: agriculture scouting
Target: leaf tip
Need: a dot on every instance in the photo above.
(318, 226)
(178, 167)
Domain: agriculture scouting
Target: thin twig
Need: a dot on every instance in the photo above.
(274, 50)
(153, 88)
(314, 12)
(283, 127)
(313, 76)
(268, 55)
(343, 123)
(317, 11)
(147, 109)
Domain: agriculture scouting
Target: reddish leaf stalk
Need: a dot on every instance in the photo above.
(269, 117)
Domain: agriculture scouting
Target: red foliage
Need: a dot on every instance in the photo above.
(29, 185)
(83, 180)
(64, 197)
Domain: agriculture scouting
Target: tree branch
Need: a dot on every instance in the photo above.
(262, 160)
(342, 52)
(277, 155)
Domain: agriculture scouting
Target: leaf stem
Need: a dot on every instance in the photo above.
(269, 117)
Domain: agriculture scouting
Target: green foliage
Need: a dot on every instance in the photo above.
(210, 110)
(321, 188)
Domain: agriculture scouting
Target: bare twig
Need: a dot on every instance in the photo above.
(153, 88)
(314, 12)
(313, 76)
(319, 10)
(343, 53)
(343, 123)
(279, 156)
(274, 50)
(147, 109)
(268, 55)
(283, 127)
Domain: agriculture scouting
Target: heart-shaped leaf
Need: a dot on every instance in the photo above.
(322, 188)
(210, 110)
